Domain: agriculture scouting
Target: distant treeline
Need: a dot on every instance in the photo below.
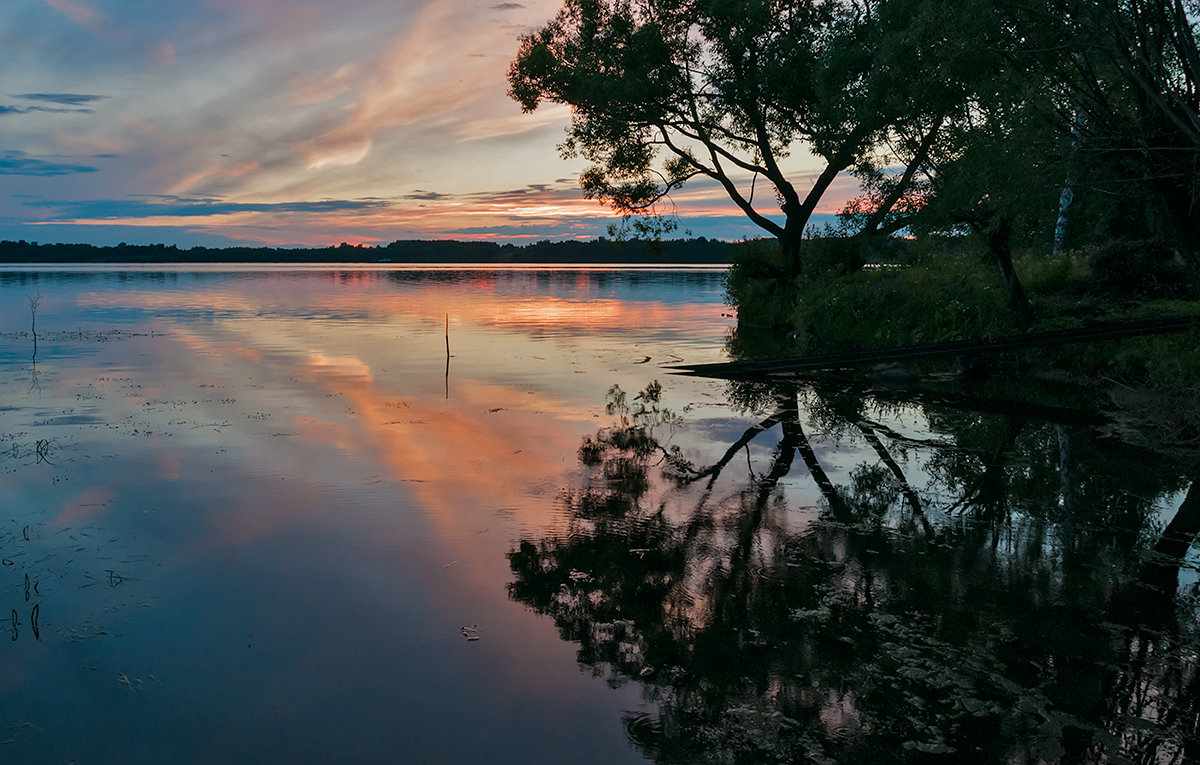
(675, 251)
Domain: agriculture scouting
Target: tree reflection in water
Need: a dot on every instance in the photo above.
(1021, 605)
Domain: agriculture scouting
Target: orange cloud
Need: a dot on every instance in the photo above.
(428, 77)
(307, 90)
(215, 170)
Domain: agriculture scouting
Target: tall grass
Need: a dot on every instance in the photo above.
(945, 293)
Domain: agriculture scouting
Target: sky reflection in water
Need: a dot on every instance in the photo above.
(256, 511)
(262, 500)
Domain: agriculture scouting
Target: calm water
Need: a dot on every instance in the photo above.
(258, 515)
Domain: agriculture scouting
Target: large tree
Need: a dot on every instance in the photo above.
(663, 91)
(1102, 96)
(1042, 103)
(1134, 79)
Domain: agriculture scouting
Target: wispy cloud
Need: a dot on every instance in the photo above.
(162, 54)
(85, 16)
(536, 211)
(66, 99)
(191, 207)
(20, 163)
(426, 196)
(429, 77)
(27, 109)
(65, 103)
(314, 90)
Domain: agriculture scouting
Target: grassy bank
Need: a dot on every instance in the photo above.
(922, 293)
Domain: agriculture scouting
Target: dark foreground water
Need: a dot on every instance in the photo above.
(257, 515)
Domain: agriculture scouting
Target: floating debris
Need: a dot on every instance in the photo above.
(471, 633)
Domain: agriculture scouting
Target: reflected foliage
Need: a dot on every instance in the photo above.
(968, 586)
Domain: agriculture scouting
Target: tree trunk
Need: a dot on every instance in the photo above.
(790, 243)
(999, 242)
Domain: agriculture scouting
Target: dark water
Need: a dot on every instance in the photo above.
(253, 515)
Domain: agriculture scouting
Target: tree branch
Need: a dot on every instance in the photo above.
(756, 217)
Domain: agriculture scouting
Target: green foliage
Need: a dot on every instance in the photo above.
(1138, 111)
(1050, 276)
(753, 286)
(948, 293)
(963, 122)
(647, 228)
(1162, 362)
(946, 298)
(1127, 271)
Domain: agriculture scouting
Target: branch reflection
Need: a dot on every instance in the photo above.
(995, 587)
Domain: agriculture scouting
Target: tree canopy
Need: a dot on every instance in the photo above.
(967, 116)
(664, 91)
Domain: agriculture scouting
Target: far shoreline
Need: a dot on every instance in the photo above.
(324, 265)
(430, 253)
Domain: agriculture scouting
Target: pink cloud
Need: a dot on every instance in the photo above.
(163, 54)
(89, 18)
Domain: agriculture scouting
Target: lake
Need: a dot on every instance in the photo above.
(394, 514)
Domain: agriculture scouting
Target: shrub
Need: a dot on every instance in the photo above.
(753, 284)
(946, 298)
(1133, 270)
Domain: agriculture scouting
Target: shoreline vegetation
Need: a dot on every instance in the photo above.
(941, 290)
(698, 251)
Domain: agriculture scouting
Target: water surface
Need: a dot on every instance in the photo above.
(262, 514)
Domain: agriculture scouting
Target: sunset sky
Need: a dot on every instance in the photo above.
(290, 122)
